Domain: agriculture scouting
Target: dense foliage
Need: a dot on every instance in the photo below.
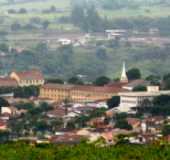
(15, 151)
(113, 102)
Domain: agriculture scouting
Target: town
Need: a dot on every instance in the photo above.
(84, 79)
(38, 110)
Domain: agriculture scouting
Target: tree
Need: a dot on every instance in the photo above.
(4, 47)
(53, 9)
(87, 18)
(101, 53)
(139, 88)
(42, 48)
(101, 81)
(161, 100)
(133, 74)
(22, 11)
(27, 106)
(15, 26)
(166, 81)
(166, 130)
(3, 102)
(75, 80)
(45, 24)
(123, 124)
(113, 102)
(26, 92)
(153, 79)
(53, 80)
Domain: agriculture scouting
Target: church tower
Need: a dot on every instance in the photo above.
(124, 78)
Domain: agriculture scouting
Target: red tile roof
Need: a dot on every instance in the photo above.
(66, 138)
(104, 89)
(8, 82)
(30, 75)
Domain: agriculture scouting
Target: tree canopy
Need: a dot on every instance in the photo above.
(133, 74)
(113, 102)
(101, 81)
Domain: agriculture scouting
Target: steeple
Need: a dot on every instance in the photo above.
(124, 78)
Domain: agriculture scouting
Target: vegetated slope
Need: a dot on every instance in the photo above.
(66, 62)
(15, 151)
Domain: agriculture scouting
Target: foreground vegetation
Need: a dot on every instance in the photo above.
(15, 151)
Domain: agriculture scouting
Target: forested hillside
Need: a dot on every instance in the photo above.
(30, 25)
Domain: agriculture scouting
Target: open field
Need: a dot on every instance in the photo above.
(38, 5)
(152, 12)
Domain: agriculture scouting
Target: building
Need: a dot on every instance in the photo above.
(138, 82)
(6, 82)
(131, 100)
(28, 78)
(115, 33)
(77, 93)
(83, 93)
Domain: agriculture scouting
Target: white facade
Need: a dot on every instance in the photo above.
(131, 100)
(6, 110)
(124, 78)
(65, 41)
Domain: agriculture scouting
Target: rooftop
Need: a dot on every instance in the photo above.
(33, 74)
(92, 88)
(144, 94)
(8, 82)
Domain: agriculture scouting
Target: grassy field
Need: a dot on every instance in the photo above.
(153, 12)
(38, 5)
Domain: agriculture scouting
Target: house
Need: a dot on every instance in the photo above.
(58, 112)
(115, 33)
(108, 137)
(3, 125)
(12, 111)
(66, 138)
(28, 78)
(135, 123)
(96, 122)
(64, 41)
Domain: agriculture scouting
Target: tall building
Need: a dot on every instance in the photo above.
(124, 78)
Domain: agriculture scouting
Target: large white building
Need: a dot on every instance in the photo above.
(131, 100)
